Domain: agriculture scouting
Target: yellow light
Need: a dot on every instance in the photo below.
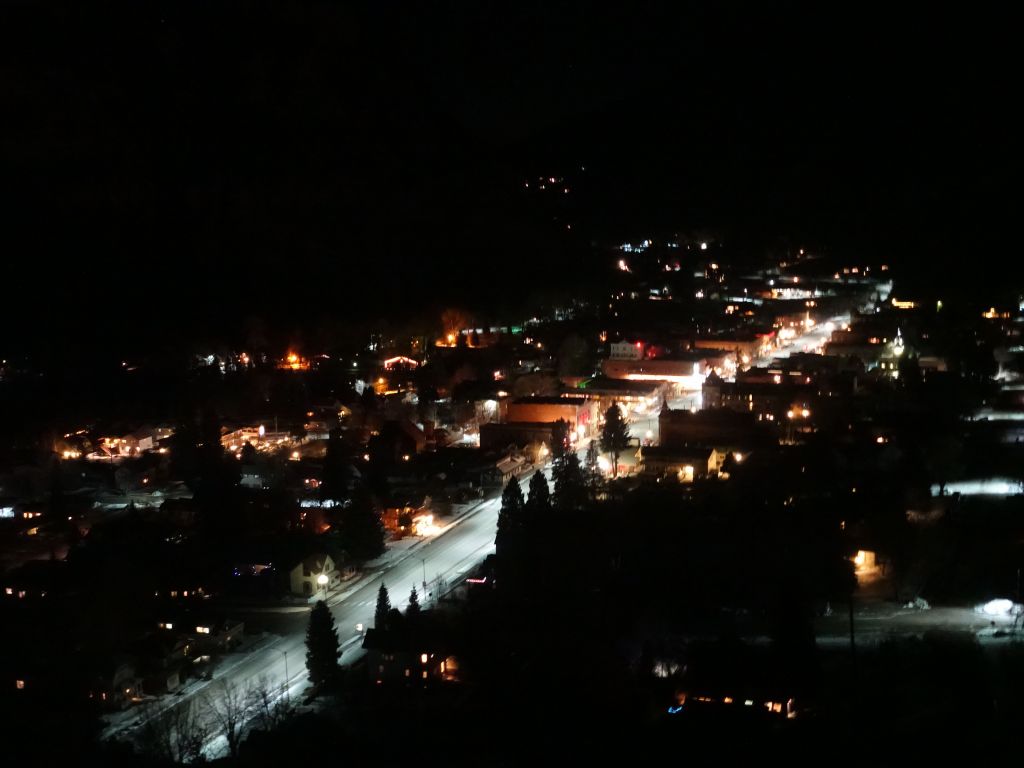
(451, 338)
(322, 579)
(805, 413)
(405, 457)
(738, 457)
(423, 525)
(423, 658)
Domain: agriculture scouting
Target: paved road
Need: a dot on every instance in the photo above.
(810, 341)
(280, 661)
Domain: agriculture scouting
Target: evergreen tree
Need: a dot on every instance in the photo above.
(360, 528)
(592, 456)
(413, 609)
(538, 506)
(614, 435)
(322, 651)
(510, 518)
(334, 478)
(369, 400)
(380, 615)
(559, 440)
(591, 471)
(249, 455)
(570, 485)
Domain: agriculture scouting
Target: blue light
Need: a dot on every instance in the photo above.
(675, 710)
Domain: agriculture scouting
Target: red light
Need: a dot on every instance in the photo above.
(638, 345)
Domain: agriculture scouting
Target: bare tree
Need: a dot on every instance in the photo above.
(270, 705)
(177, 734)
(230, 709)
(452, 322)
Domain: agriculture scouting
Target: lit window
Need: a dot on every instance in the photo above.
(19, 684)
(203, 630)
(423, 658)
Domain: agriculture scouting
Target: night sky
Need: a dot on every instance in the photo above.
(171, 169)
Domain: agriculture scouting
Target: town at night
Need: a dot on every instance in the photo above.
(509, 384)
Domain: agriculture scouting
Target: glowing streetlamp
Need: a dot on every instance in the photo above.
(322, 580)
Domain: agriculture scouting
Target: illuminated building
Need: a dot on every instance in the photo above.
(293, 362)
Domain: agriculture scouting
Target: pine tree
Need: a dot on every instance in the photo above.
(360, 528)
(559, 440)
(614, 435)
(570, 485)
(538, 506)
(249, 455)
(510, 518)
(322, 651)
(592, 456)
(380, 615)
(333, 484)
(413, 609)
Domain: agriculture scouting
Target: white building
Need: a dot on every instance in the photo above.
(624, 350)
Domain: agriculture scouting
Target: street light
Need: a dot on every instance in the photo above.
(423, 562)
(322, 581)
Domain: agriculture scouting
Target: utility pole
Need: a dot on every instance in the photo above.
(287, 677)
(853, 642)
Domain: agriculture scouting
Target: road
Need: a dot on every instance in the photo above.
(812, 340)
(280, 661)
(877, 621)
